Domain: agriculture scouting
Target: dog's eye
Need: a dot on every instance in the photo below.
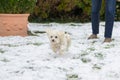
(55, 36)
(51, 36)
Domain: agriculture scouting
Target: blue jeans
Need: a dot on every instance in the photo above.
(109, 16)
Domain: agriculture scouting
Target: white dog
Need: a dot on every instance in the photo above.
(59, 40)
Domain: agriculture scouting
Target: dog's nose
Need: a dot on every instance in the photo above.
(53, 40)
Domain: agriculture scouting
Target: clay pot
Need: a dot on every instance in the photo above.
(13, 24)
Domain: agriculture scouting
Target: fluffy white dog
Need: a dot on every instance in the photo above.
(59, 40)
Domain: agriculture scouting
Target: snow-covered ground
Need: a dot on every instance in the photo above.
(30, 58)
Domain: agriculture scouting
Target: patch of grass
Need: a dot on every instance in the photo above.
(96, 67)
(17, 45)
(87, 51)
(10, 45)
(91, 49)
(72, 24)
(99, 55)
(2, 51)
(40, 32)
(85, 60)
(36, 44)
(5, 60)
(72, 77)
(84, 53)
(76, 56)
(109, 46)
(30, 68)
(93, 42)
(63, 69)
(19, 72)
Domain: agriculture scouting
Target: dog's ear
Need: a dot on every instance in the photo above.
(48, 31)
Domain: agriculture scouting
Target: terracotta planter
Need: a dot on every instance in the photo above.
(13, 24)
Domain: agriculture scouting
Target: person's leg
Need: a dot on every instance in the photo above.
(109, 17)
(95, 15)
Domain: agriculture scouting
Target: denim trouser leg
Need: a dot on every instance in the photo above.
(95, 15)
(109, 17)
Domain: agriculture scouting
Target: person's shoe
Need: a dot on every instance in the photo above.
(107, 40)
(93, 36)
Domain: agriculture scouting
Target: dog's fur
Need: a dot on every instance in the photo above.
(59, 40)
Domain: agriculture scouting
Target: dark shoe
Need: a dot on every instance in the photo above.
(108, 40)
(93, 36)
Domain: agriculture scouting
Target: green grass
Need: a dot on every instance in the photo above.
(36, 44)
(109, 46)
(72, 77)
(11, 45)
(4, 60)
(17, 45)
(99, 55)
(87, 51)
(91, 49)
(2, 51)
(73, 24)
(84, 53)
(85, 60)
(93, 42)
(96, 67)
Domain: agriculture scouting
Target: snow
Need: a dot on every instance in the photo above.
(30, 58)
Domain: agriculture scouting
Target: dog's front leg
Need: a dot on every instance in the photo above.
(62, 49)
(54, 49)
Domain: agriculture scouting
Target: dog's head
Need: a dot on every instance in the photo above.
(54, 36)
